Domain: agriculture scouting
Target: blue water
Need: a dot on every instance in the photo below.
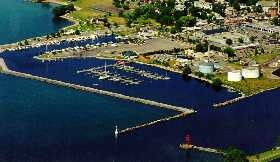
(192, 93)
(21, 20)
(41, 122)
(251, 125)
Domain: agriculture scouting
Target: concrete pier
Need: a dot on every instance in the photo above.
(205, 149)
(102, 92)
(154, 122)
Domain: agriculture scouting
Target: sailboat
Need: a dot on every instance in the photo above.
(116, 132)
(166, 77)
(105, 76)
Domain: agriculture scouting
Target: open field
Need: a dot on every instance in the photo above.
(95, 8)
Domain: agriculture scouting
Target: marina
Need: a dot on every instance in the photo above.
(103, 74)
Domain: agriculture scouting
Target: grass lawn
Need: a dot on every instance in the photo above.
(87, 10)
(251, 86)
(260, 59)
(265, 156)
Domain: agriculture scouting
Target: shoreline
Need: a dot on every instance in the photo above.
(65, 17)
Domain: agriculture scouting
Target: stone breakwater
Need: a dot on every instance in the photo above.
(88, 89)
(3, 65)
(210, 150)
(217, 105)
(154, 122)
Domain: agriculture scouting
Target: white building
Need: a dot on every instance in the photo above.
(203, 4)
(180, 5)
(266, 5)
(251, 72)
(234, 76)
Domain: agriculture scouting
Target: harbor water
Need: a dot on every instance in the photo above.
(22, 19)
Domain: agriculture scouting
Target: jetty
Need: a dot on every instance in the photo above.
(154, 122)
(205, 149)
(5, 70)
(3, 66)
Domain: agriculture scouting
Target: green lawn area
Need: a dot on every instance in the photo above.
(87, 10)
(251, 86)
(265, 156)
(260, 59)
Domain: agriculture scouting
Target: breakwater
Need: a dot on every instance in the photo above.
(102, 92)
(205, 149)
(154, 122)
(3, 65)
(228, 102)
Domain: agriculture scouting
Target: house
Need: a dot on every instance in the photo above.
(203, 4)
(129, 54)
(268, 5)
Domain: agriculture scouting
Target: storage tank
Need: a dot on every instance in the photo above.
(234, 76)
(251, 72)
(206, 68)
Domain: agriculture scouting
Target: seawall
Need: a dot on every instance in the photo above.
(3, 65)
(153, 122)
(5, 70)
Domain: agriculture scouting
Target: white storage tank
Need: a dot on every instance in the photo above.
(235, 76)
(206, 68)
(251, 72)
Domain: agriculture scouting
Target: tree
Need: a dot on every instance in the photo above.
(219, 8)
(202, 47)
(240, 40)
(258, 9)
(276, 21)
(229, 51)
(186, 71)
(26, 42)
(62, 10)
(77, 32)
(217, 83)
(236, 6)
(185, 21)
(235, 155)
(229, 42)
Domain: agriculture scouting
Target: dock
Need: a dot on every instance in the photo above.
(142, 73)
(106, 75)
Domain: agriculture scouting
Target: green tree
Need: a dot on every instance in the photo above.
(77, 32)
(186, 21)
(62, 10)
(229, 51)
(229, 42)
(235, 155)
(219, 8)
(186, 71)
(240, 40)
(276, 21)
(258, 9)
(217, 83)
